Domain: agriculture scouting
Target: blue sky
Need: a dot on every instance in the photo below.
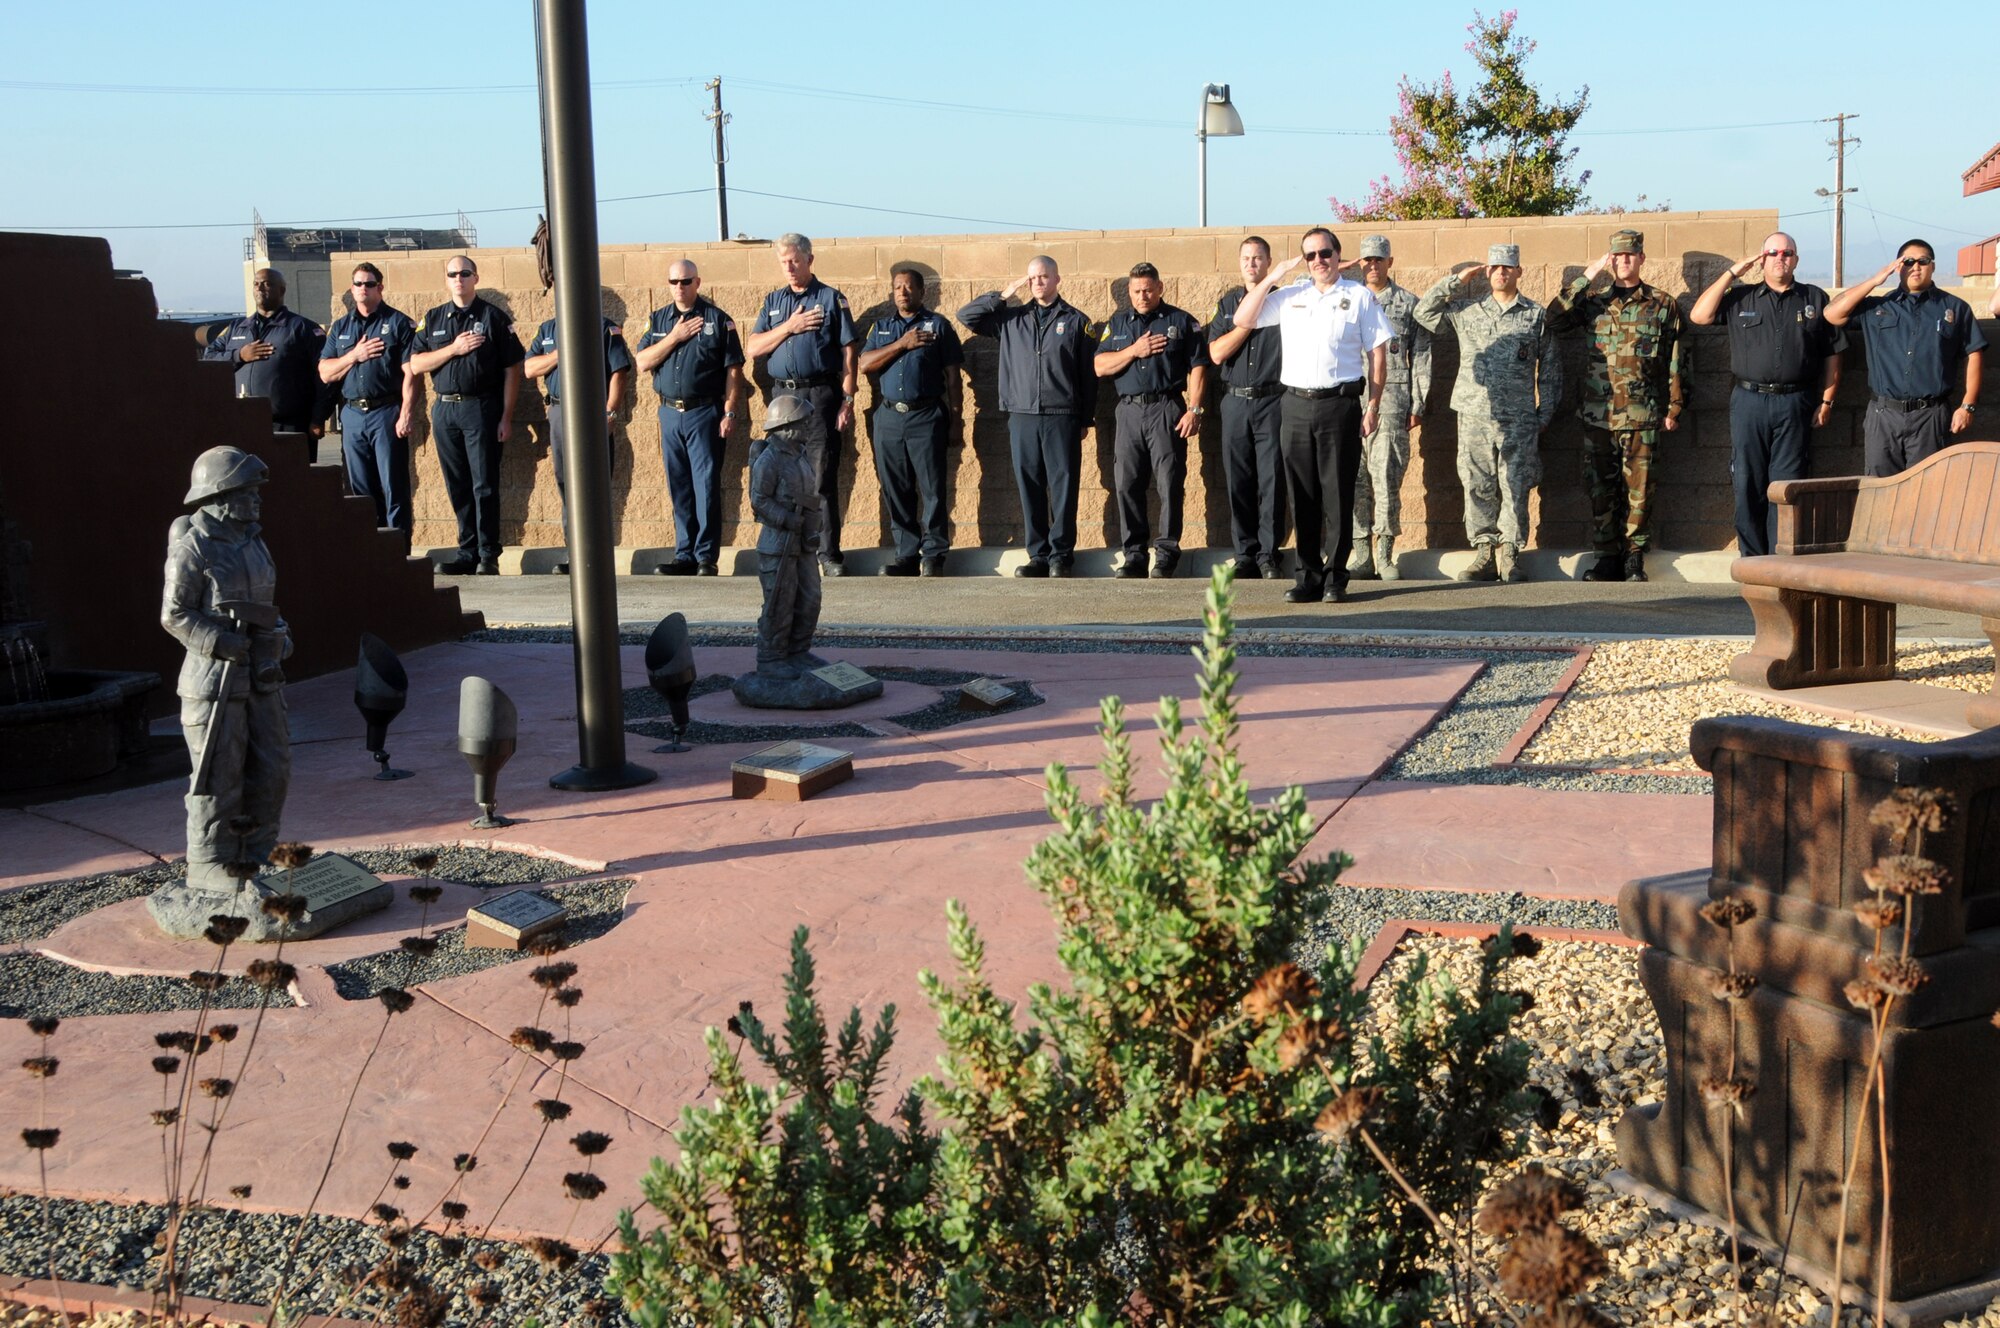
(371, 109)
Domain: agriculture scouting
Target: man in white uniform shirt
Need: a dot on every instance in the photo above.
(1334, 341)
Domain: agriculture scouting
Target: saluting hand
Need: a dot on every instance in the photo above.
(1744, 268)
(1603, 261)
(256, 350)
(1893, 272)
(1286, 268)
(467, 342)
(368, 348)
(1350, 263)
(804, 319)
(1014, 286)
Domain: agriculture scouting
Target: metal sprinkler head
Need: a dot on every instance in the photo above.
(670, 670)
(488, 725)
(381, 689)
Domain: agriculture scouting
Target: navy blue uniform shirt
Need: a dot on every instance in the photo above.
(814, 354)
(699, 367)
(383, 375)
(1779, 336)
(1917, 344)
(1166, 371)
(918, 373)
(616, 357)
(1258, 359)
(1045, 354)
(290, 377)
(481, 373)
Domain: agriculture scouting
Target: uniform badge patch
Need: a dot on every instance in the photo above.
(1059, 328)
(1345, 302)
(1951, 315)
(1810, 311)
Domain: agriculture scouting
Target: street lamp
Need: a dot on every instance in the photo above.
(1219, 119)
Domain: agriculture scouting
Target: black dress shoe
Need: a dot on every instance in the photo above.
(1305, 590)
(903, 567)
(560, 569)
(1608, 567)
(1335, 593)
(1130, 569)
(1163, 566)
(678, 567)
(487, 567)
(831, 566)
(1033, 568)
(1268, 569)
(1246, 570)
(706, 569)
(458, 567)
(931, 567)
(1062, 567)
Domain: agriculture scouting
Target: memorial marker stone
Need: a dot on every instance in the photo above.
(511, 921)
(985, 694)
(790, 772)
(845, 678)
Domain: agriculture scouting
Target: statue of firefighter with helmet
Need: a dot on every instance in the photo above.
(218, 602)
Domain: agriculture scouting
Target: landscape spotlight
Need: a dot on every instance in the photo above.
(381, 689)
(488, 725)
(670, 670)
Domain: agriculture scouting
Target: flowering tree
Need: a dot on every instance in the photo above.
(1500, 151)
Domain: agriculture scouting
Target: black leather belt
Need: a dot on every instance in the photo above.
(1906, 405)
(1148, 398)
(794, 384)
(1771, 389)
(371, 403)
(685, 404)
(1256, 393)
(1351, 388)
(907, 407)
(459, 396)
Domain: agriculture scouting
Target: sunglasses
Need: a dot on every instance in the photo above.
(1919, 262)
(456, 275)
(1781, 253)
(1321, 255)
(682, 281)
(367, 283)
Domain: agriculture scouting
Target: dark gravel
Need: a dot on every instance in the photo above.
(1356, 913)
(236, 1256)
(595, 907)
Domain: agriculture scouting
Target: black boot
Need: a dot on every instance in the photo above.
(1608, 567)
(1635, 565)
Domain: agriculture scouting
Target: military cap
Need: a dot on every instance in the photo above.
(1503, 255)
(1374, 246)
(1628, 241)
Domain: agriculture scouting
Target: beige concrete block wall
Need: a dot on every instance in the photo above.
(1686, 250)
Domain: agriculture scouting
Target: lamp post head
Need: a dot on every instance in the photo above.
(1218, 114)
(671, 672)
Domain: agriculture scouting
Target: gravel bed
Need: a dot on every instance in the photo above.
(1356, 913)
(236, 1256)
(32, 984)
(595, 907)
(1634, 702)
(1598, 1051)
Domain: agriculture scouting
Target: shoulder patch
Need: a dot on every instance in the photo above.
(422, 321)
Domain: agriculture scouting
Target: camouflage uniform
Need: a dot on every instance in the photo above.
(1631, 387)
(1502, 353)
(1378, 490)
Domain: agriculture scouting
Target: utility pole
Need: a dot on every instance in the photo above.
(721, 187)
(1840, 142)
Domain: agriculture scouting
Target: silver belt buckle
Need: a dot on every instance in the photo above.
(901, 407)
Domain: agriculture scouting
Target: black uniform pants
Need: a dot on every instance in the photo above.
(1321, 443)
(1047, 460)
(468, 448)
(1146, 449)
(909, 462)
(378, 462)
(556, 442)
(1256, 476)
(1767, 441)
(1894, 440)
(691, 446)
(823, 446)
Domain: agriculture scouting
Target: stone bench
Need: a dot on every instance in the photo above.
(1850, 549)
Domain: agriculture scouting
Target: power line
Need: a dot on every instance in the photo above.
(1915, 221)
(904, 212)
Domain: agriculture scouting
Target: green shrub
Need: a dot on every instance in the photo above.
(1144, 1148)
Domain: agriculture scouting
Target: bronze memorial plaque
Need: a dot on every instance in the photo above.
(329, 879)
(844, 677)
(509, 922)
(790, 771)
(984, 694)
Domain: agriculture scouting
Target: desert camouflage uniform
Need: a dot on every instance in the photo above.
(1632, 385)
(1503, 353)
(1378, 489)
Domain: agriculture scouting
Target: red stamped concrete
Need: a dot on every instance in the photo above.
(720, 885)
(1505, 837)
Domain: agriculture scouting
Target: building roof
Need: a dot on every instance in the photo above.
(1984, 174)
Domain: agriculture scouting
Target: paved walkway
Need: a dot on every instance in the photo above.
(719, 886)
